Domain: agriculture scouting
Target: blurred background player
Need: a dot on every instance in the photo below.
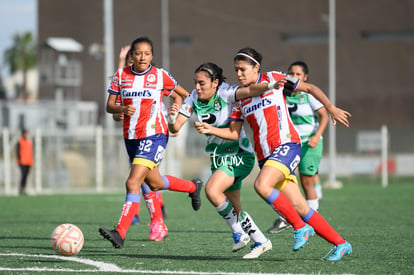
(231, 161)
(24, 159)
(310, 119)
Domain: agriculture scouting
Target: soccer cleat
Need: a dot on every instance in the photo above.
(258, 249)
(338, 252)
(158, 231)
(302, 236)
(196, 195)
(278, 226)
(135, 220)
(240, 240)
(112, 236)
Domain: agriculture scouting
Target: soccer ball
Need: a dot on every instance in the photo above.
(67, 239)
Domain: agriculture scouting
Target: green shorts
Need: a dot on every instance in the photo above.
(238, 166)
(310, 159)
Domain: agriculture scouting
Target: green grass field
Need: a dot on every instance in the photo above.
(377, 221)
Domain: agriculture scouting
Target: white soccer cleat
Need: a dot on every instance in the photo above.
(240, 240)
(258, 249)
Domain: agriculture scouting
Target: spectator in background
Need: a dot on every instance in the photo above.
(24, 159)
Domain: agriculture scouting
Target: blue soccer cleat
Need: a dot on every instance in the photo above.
(302, 236)
(338, 252)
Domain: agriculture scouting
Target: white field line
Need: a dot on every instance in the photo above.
(106, 267)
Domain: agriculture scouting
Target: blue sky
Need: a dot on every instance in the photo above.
(16, 16)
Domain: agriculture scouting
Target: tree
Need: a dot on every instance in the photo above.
(21, 57)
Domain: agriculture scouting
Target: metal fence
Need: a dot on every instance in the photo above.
(96, 161)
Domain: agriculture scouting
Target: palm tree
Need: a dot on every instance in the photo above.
(21, 57)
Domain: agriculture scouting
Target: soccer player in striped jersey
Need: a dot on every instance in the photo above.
(141, 88)
(310, 119)
(231, 161)
(156, 209)
(278, 148)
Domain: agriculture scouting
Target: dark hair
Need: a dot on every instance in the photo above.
(249, 55)
(214, 71)
(301, 64)
(142, 40)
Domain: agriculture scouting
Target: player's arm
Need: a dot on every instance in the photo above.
(112, 107)
(175, 125)
(181, 92)
(232, 132)
(337, 114)
(252, 90)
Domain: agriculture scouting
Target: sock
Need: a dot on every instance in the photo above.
(281, 204)
(228, 213)
(153, 205)
(313, 204)
(129, 210)
(322, 227)
(250, 227)
(180, 185)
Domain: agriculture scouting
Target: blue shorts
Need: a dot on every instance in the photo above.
(287, 154)
(147, 151)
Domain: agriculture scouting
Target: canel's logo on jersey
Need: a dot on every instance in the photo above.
(129, 94)
(263, 103)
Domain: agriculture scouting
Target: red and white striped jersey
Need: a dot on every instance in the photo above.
(268, 117)
(144, 91)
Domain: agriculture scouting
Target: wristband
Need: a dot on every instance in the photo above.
(271, 85)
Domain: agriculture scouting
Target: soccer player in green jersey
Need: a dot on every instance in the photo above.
(231, 161)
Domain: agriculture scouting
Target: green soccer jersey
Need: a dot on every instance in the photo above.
(216, 113)
(302, 110)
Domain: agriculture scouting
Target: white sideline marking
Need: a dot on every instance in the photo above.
(105, 267)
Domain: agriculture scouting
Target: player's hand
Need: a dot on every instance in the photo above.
(124, 52)
(280, 83)
(202, 127)
(337, 114)
(129, 110)
(313, 141)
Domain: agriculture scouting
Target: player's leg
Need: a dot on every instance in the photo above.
(214, 189)
(314, 219)
(156, 182)
(158, 229)
(318, 187)
(308, 167)
(276, 171)
(130, 207)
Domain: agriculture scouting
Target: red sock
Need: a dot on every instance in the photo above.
(180, 185)
(323, 229)
(154, 207)
(282, 205)
(129, 210)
